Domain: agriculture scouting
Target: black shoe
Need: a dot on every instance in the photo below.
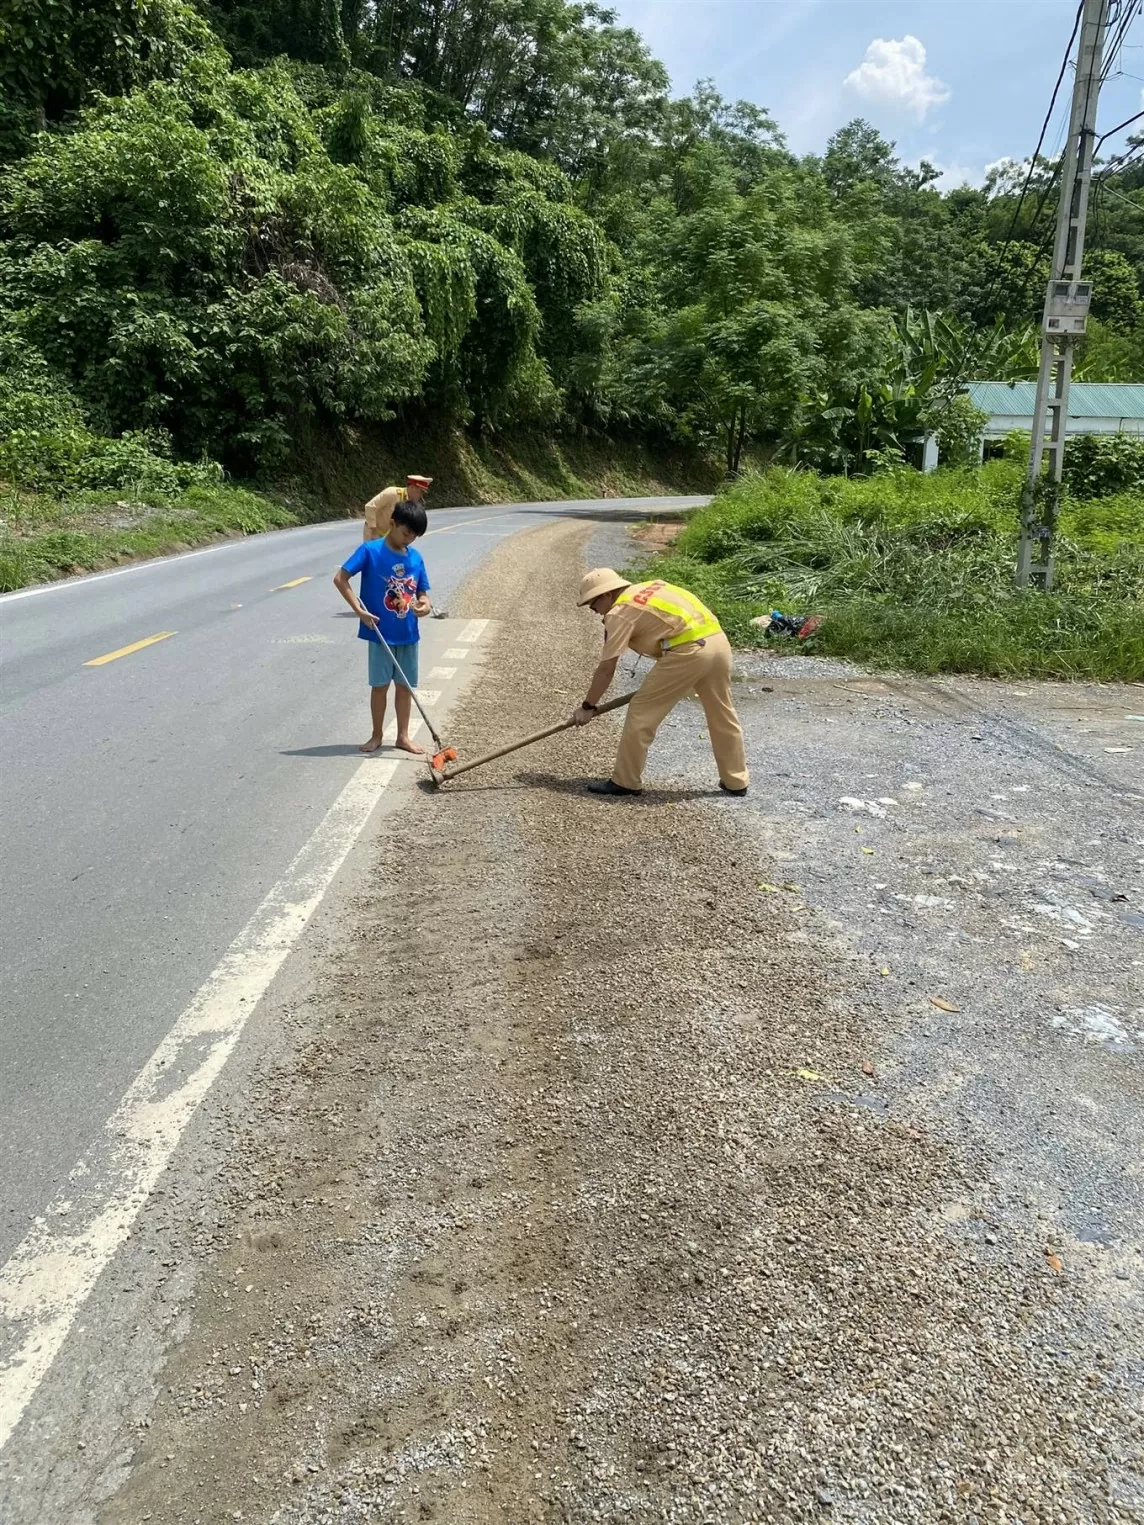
(738, 793)
(606, 786)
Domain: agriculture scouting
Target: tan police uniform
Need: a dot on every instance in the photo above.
(692, 656)
(379, 512)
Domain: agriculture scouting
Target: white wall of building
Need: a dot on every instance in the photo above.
(1001, 424)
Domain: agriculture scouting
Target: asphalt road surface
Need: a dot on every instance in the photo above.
(832, 1208)
(150, 801)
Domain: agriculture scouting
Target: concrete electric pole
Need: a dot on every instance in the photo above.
(1066, 307)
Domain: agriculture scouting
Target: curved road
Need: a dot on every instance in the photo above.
(151, 801)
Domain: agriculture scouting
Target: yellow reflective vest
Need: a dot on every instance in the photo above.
(665, 598)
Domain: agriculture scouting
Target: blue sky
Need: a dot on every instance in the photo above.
(961, 82)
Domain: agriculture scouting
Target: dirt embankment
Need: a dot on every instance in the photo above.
(514, 468)
(551, 1222)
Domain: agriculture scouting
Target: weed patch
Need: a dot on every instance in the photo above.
(916, 572)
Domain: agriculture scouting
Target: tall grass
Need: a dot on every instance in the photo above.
(915, 571)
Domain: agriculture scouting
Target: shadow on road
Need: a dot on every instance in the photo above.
(555, 784)
(427, 786)
(628, 514)
(335, 749)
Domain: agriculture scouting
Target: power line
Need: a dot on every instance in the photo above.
(1120, 126)
(1045, 123)
(1132, 9)
(1045, 243)
(1046, 191)
(960, 370)
(1095, 81)
(1066, 302)
(1035, 156)
(1118, 165)
(1103, 189)
(1123, 22)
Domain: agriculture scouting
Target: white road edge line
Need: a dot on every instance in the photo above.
(456, 653)
(52, 1272)
(472, 632)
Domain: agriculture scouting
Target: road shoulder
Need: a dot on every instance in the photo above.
(565, 1198)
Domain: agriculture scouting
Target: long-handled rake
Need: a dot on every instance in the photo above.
(442, 774)
(442, 754)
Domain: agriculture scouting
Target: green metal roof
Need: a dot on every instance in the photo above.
(1087, 399)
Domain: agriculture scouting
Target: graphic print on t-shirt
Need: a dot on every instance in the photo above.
(400, 590)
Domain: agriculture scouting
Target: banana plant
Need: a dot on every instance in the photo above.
(927, 360)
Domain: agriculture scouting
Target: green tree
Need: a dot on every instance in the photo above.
(222, 280)
(1115, 292)
(750, 288)
(491, 210)
(545, 76)
(1108, 355)
(912, 386)
(56, 54)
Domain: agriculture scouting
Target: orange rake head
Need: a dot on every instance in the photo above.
(438, 761)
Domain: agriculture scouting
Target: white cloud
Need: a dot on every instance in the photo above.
(953, 176)
(1008, 174)
(894, 71)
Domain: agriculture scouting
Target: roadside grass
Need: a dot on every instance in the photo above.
(916, 572)
(69, 528)
(43, 536)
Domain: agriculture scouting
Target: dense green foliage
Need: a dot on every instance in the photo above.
(1100, 466)
(237, 222)
(916, 571)
(231, 232)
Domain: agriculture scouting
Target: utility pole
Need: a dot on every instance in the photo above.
(1067, 301)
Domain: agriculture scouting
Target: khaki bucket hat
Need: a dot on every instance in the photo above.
(600, 580)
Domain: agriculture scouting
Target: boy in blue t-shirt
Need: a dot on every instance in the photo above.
(393, 588)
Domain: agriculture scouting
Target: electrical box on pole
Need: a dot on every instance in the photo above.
(1067, 302)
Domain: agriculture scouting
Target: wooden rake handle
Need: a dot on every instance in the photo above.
(514, 746)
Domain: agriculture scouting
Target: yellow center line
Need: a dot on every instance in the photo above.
(447, 529)
(125, 651)
(297, 583)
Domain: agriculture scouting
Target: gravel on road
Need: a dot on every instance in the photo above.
(620, 1166)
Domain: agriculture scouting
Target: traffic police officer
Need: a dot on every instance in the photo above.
(379, 509)
(692, 655)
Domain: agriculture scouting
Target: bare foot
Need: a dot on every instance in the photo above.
(371, 745)
(405, 745)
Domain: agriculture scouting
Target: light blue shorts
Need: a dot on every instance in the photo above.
(381, 669)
